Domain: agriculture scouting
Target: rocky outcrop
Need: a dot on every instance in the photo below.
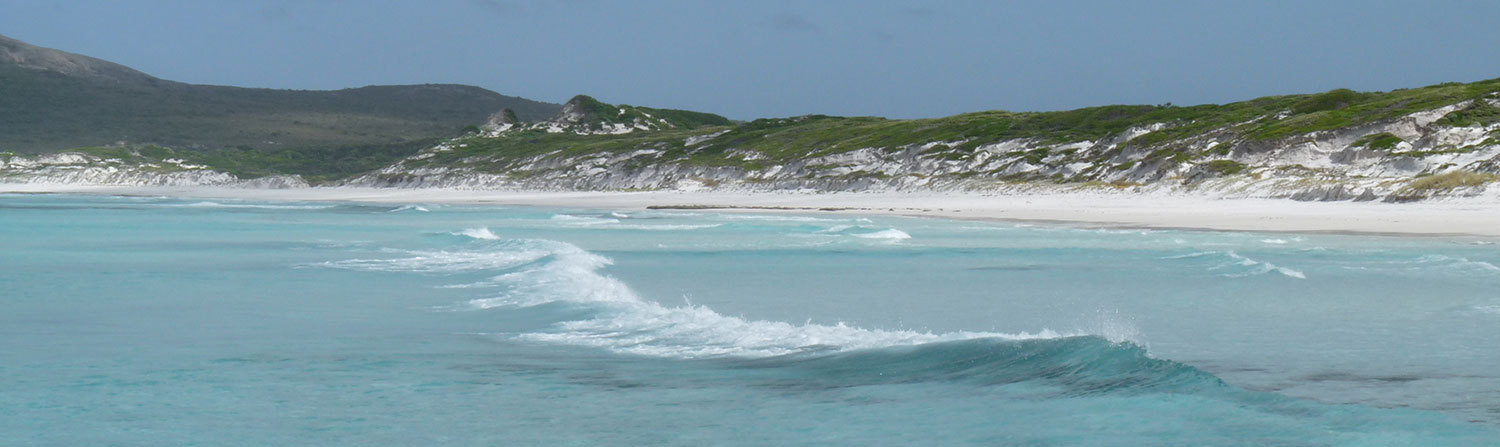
(584, 115)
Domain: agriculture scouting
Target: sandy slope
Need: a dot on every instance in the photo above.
(1475, 217)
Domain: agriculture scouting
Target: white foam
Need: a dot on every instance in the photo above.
(410, 208)
(1459, 263)
(1263, 267)
(571, 220)
(1255, 267)
(834, 229)
(1274, 241)
(1193, 255)
(614, 223)
(626, 323)
(250, 205)
(442, 261)
(774, 218)
(665, 227)
(482, 233)
(1494, 309)
(890, 234)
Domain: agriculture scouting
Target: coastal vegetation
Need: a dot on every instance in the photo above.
(119, 116)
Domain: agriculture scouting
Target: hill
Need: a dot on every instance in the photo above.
(1405, 144)
(52, 100)
(1399, 145)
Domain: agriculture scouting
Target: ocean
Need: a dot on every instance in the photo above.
(162, 321)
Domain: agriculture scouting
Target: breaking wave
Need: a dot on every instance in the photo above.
(1240, 266)
(536, 272)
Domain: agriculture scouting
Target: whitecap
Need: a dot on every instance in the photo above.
(482, 233)
(1192, 255)
(665, 227)
(410, 208)
(250, 206)
(1244, 266)
(890, 234)
(834, 229)
(776, 218)
(571, 220)
(442, 261)
(1262, 267)
(625, 323)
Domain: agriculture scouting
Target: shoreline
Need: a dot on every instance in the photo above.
(1458, 218)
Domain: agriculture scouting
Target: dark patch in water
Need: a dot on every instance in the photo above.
(1340, 376)
(1010, 268)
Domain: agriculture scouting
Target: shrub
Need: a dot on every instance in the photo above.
(1333, 100)
(1224, 167)
(1379, 141)
(1450, 181)
(1478, 113)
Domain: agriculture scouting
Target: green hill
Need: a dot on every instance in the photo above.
(52, 100)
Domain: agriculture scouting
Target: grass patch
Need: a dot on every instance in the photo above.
(1426, 186)
(1383, 141)
(1451, 181)
(313, 164)
(1477, 114)
(1223, 167)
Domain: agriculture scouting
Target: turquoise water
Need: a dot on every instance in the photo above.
(158, 321)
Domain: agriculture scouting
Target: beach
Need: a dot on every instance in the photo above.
(1474, 217)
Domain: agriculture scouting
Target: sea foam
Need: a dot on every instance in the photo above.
(621, 321)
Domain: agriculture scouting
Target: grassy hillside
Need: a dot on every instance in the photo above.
(782, 140)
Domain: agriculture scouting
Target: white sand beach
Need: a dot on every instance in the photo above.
(1479, 217)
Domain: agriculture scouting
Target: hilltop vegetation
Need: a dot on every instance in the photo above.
(785, 140)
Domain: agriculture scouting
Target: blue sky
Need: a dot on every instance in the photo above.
(781, 58)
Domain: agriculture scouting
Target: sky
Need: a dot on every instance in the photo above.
(770, 58)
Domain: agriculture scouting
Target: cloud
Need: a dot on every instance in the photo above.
(786, 21)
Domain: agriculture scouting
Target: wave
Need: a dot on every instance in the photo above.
(1459, 263)
(834, 229)
(441, 261)
(410, 208)
(543, 272)
(890, 234)
(1262, 267)
(1073, 366)
(665, 227)
(482, 233)
(626, 323)
(862, 232)
(614, 222)
(207, 204)
(1439, 263)
(1192, 255)
(788, 218)
(572, 220)
(1247, 266)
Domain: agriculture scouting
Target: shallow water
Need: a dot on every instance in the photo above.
(152, 321)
